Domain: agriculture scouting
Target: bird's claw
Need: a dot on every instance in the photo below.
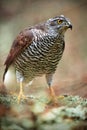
(60, 97)
(21, 96)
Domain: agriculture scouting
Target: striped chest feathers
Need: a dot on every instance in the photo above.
(42, 55)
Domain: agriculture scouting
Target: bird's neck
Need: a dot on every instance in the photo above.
(55, 33)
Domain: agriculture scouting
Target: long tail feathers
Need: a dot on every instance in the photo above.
(6, 69)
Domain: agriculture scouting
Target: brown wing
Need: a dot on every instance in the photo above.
(22, 41)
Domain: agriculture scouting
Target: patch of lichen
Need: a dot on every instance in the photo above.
(36, 113)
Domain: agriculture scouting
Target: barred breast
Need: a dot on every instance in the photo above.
(41, 57)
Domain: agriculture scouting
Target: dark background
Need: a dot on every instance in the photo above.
(15, 15)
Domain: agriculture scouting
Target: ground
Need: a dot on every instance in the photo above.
(39, 113)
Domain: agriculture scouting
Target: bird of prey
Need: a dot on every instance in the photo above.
(37, 50)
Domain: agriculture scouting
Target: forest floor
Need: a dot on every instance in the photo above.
(38, 113)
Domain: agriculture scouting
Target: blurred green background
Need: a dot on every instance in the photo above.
(15, 15)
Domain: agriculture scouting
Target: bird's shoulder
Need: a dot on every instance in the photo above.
(23, 39)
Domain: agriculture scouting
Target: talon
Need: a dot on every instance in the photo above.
(21, 95)
(60, 97)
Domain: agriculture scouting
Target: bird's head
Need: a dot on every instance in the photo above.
(59, 24)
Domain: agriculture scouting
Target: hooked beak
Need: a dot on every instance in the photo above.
(70, 26)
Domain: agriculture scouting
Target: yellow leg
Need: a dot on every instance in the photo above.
(52, 94)
(21, 95)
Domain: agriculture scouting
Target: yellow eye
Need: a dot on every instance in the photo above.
(59, 21)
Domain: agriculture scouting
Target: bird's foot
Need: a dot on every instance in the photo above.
(53, 101)
(21, 96)
(60, 97)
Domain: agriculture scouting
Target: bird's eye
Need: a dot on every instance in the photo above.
(59, 21)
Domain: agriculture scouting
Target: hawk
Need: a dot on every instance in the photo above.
(37, 50)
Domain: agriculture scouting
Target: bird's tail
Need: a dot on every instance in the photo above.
(6, 69)
(9, 78)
